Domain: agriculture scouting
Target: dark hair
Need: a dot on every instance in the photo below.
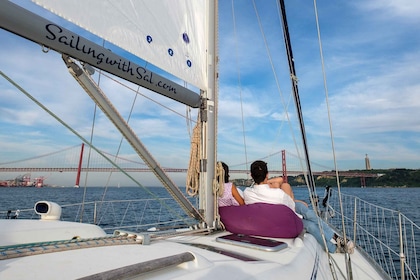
(226, 168)
(259, 171)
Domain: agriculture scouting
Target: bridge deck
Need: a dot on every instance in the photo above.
(169, 170)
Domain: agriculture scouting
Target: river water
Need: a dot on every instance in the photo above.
(401, 199)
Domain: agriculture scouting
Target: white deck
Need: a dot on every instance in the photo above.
(301, 260)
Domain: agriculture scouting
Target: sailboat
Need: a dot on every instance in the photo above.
(184, 44)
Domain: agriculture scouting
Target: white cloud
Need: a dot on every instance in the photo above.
(371, 54)
(405, 10)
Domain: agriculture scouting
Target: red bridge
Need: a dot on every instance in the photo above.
(71, 160)
(169, 170)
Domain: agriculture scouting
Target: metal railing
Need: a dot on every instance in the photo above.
(388, 237)
(133, 215)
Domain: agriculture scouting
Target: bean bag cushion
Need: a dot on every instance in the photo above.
(261, 219)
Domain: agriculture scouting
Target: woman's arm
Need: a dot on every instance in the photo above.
(236, 195)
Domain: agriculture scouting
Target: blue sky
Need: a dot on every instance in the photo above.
(372, 61)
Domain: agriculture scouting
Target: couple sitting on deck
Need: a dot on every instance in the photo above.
(266, 196)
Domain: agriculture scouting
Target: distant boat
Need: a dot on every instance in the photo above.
(4, 183)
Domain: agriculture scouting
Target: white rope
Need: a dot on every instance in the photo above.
(219, 181)
(218, 189)
(193, 173)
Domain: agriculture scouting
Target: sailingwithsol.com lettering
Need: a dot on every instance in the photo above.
(56, 33)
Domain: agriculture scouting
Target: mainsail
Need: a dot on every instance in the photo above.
(54, 36)
(176, 43)
(168, 34)
(176, 36)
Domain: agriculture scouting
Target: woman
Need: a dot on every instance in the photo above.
(229, 194)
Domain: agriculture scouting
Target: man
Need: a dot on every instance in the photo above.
(266, 190)
(275, 191)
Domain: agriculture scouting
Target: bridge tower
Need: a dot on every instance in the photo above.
(79, 168)
(283, 165)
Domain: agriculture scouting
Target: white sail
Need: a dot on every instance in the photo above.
(169, 34)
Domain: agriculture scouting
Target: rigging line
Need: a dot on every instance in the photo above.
(310, 178)
(145, 96)
(294, 81)
(122, 138)
(189, 121)
(118, 149)
(100, 98)
(187, 118)
(277, 138)
(239, 82)
(88, 161)
(90, 149)
(285, 107)
(125, 159)
(65, 125)
(83, 139)
(347, 256)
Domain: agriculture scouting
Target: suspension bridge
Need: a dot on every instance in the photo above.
(76, 159)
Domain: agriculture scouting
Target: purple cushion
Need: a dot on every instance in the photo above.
(262, 219)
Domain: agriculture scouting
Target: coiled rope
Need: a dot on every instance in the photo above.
(218, 189)
(193, 173)
(219, 181)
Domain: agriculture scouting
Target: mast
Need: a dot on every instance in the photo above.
(209, 119)
(294, 81)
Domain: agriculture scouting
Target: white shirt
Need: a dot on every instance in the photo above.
(263, 193)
